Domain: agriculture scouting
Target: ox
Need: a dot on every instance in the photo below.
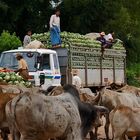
(112, 99)
(4, 98)
(86, 96)
(125, 121)
(42, 117)
(8, 92)
(130, 89)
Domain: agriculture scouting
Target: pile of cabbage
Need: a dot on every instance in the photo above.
(14, 79)
(75, 39)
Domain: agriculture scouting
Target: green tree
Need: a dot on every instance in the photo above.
(9, 41)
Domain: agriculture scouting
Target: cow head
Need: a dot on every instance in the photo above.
(101, 111)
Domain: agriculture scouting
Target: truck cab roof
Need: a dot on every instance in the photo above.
(41, 51)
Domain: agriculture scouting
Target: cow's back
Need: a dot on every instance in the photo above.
(128, 99)
(46, 114)
(112, 99)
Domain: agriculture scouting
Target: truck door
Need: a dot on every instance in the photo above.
(46, 71)
(56, 70)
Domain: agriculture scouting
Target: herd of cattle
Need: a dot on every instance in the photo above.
(67, 113)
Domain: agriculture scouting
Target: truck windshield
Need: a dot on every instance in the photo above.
(45, 62)
(8, 60)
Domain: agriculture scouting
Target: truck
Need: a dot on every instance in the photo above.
(53, 67)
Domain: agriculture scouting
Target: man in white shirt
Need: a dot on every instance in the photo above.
(76, 80)
(110, 37)
(27, 38)
(55, 29)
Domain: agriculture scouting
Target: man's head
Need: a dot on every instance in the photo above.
(75, 72)
(29, 32)
(57, 12)
(19, 56)
(102, 34)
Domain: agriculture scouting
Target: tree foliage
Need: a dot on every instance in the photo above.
(9, 41)
(82, 16)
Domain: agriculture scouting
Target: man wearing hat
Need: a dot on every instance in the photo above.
(76, 79)
(103, 42)
(22, 67)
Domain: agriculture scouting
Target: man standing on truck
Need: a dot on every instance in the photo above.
(27, 38)
(76, 80)
(22, 67)
(55, 29)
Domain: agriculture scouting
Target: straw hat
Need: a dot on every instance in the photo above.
(74, 71)
(18, 55)
(102, 33)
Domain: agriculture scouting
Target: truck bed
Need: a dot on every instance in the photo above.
(93, 70)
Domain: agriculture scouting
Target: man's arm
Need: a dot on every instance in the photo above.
(19, 68)
(51, 21)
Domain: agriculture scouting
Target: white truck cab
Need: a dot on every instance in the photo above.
(43, 65)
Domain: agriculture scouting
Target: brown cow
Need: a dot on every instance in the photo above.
(4, 99)
(8, 92)
(112, 99)
(130, 89)
(125, 121)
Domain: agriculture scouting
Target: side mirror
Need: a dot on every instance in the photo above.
(42, 78)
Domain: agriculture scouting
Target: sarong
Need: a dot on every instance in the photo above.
(24, 74)
(55, 36)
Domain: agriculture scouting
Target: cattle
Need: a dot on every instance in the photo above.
(10, 89)
(18, 89)
(112, 99)
(41, 117)
(125, 121)
(86, 96)
(8, 92)
(130, 89)
(56, 91)
(4, 98)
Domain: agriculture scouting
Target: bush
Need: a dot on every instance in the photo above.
(9, 41)
(133, 75)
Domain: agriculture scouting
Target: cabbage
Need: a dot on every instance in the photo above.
(22, 82)
(16, 82)
(13, 78)
(19, 78)
(7, 77)
(75, 39)
(28, 84)
(2, 74)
